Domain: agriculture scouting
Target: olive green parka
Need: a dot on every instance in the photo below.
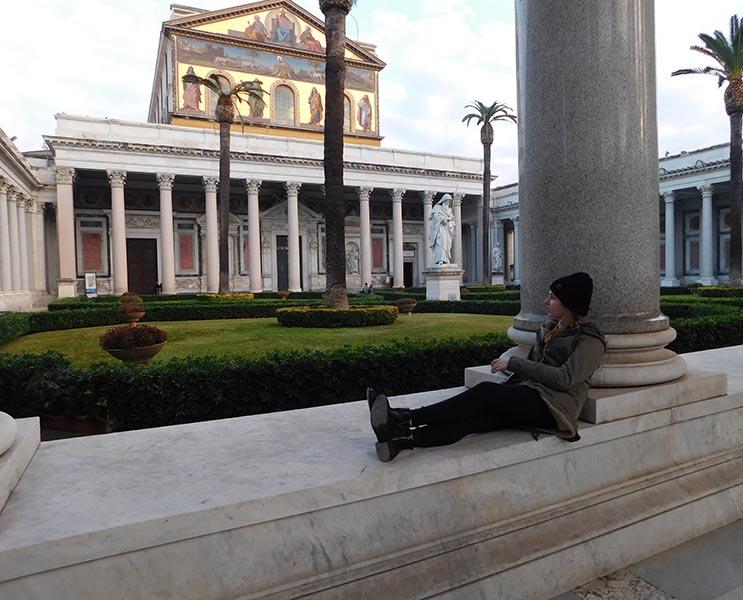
(559, 371)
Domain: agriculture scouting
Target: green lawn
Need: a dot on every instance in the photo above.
(254, 337)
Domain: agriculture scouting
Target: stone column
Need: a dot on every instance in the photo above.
(497, 275)
(398, 271)
(427, 204)
(365, 234)
(167, 239)
(38, 246)
(254, 236)
(707, 271)
(6, 279)
(22, 205)
(212, 235)
(15, 243)
(670, 279)
(516, 250)
(607, 225)
(66, 232)
(117, 179)
(292, 214)
(457, 204)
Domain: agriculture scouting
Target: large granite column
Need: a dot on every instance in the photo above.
(707, 272)
(212, 234)
(398, 271)
(22, 204)
(457, 250)
(167, 239)
(254, 236)
(66, 233)
(15, 244)
(117, 179)
(6, 282)
(517, 250)
(427, 205)
(292, 215)
(365, 235)
(670, 279)
(573, 58)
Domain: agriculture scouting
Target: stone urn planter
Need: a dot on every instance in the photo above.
(131, 343)
(283, 294)
(406, 305)
(142, 354)
(131, 308)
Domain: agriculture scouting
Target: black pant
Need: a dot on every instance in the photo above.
(486, 407)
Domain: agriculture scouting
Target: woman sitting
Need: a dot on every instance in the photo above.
(546, 392)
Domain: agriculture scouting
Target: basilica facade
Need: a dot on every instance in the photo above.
(132, 206)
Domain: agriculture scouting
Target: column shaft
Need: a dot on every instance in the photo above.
(669, 279)
(6, 281)
(25, 264)
(167, 238)
(118, 231)
(254, 236)
(15, 244)
(38, 245)
(212, 235)
(397, 234)
(66, 232)
(365, 235)
(457, 204)
(516, 250)
(292, 212)
(427, 204)
(707, 271)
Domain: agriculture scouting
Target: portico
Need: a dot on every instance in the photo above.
(162, 185)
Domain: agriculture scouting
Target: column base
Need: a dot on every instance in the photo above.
(707, 281)
(669, 282)
(67, 288)
(497, 279)
(631, 359)
(442, 282)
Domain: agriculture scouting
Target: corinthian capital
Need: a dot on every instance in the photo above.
(116, 178)
(165, 180)
(254, 185)
(64, 175)
(397, 194)
(292, 187)
(364, 193)
(457, 198)
(210, 183)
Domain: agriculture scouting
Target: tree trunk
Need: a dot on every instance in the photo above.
(336, 295)
(224, 207)
(736, 201)
(486, 251)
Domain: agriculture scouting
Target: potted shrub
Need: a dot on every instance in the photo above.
(283, 294)
(131, 343)
(131, 308)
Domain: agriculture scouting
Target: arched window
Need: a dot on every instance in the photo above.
(285, 105)
(347, 115)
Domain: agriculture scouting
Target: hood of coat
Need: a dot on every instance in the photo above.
(586, 328)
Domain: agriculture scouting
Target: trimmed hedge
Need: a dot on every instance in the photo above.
(705, 333)
(196, 389)
(306, 316)
(13, 325)
(720, 292)
(478, 307)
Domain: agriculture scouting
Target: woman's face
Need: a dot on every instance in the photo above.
(555, 308)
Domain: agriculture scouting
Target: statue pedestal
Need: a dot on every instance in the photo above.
(442, 282)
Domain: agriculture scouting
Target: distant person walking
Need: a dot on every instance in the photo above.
(545, 392)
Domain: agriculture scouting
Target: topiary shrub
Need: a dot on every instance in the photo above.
(406, 305)
(366, 316)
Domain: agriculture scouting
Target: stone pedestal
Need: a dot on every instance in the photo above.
(608, 225)
(19, 439)
(442, 282)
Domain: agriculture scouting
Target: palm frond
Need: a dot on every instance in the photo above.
(207, 83)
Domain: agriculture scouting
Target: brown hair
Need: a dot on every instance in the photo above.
(574, 322)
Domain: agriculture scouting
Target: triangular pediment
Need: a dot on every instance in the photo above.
(279, 212)
(279, 24)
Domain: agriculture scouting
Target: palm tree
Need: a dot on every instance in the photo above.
(227, 96)
(728, 53)
(486, 116)
(335, 11)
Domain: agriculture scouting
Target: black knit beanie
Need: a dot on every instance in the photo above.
(574, 291)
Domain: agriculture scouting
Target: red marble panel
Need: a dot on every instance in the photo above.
(186, 252)
(92, 255)
(377, 253)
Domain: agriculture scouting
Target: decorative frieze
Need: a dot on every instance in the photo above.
(142, 222)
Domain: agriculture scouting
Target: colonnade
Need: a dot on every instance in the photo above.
(117, 180)
(21, 234)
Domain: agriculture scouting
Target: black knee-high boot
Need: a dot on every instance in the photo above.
(391, 427)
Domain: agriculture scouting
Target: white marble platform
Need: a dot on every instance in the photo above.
(296, 504)
(15, 460)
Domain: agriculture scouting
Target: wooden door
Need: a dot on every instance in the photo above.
(141, 257)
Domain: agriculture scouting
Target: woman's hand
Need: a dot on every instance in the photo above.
(499, 364)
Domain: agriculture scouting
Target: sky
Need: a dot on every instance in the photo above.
(97, 58)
